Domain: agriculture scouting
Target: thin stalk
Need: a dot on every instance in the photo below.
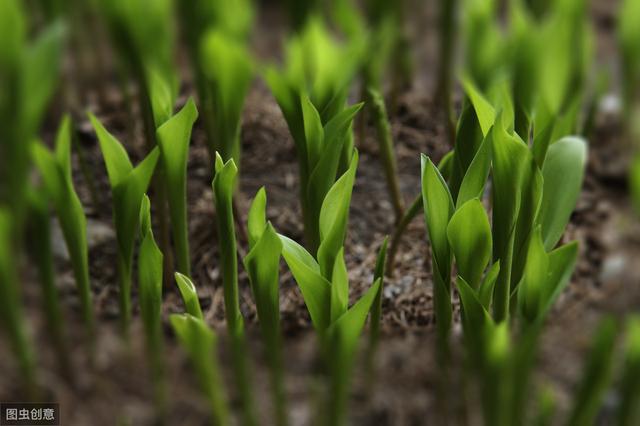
(387, 154)
(124, 298)
(447, 40)
(410, 213)
(503, 284)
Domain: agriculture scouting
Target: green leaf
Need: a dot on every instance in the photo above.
(485, 292)
(475, 179)
(200, 342)
(438, 209)
(262, 265)
(115, 157)
(474, 316)
(563, 171)
(189, 295)
(469, 235)
(334, 215)
(485, 112)
(150, 279)
(257, 220)
(173, 139)
(536, 271)
(339, 287)
(596, 375)
(41, 72)
(313, 131)
(562, 262)
(316, 290)
(56, 173)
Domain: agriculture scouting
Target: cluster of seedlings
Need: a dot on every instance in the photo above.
(495, 207)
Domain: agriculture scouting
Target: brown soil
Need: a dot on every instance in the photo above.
(117, 387)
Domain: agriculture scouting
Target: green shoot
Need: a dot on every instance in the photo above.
(55, 169)
(200, 343)
(223, 186)
(29, 74)
(189, 295)
(262, 264)
(173, 139)
(128, 186)
(150, 283)
(228, 68)
(39, 244)
(596, 375)
(629, 44)
(438, 210)
(312, 93)
(324, 284)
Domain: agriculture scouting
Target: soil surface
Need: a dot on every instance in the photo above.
(116, 389)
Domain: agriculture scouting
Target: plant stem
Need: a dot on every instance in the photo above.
(387, 154)
(503, 283)
(410, 213)
(124, 298)
(447, 41)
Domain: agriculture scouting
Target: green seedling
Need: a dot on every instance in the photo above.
(128, 186)
(29, 74)
(232, 21)
(55, 168)
(629, 410)
(312, 92)
(223, 186)
(13, 319)
(262, 264)
(228, 70)
(39, 245)
(200, 343)
(150, 283)
(173, 139)
(189, 295)
(596, 375)
(324, 284)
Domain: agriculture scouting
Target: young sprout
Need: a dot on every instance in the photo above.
(39, 245)
(262, 264)
(128, 186)
(145, 50)
(596, 375)
(173, 139)
(629, 411)
(13, 319)
(324, 284)
(312, 93)
(29, 74)
(55, 168)
(223, 186)
(150, 283)
(233, 21)
(189, 295)
(228, 69)
(200, 343)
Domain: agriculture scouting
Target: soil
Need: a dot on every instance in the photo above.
(117, 389)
